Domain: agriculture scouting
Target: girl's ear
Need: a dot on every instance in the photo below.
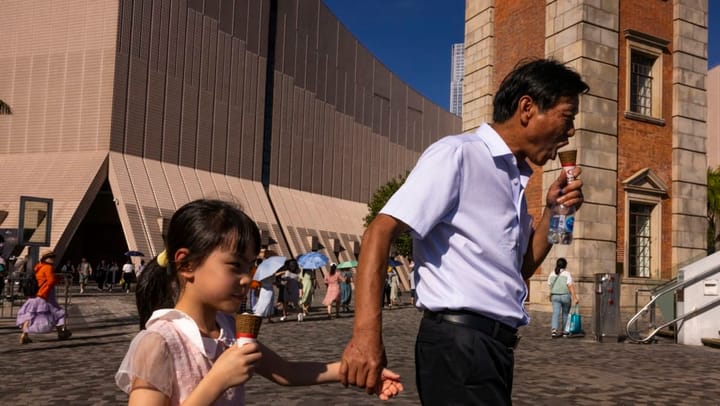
(182, 268)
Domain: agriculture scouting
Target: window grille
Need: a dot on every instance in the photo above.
(639, 244)
(641, 81)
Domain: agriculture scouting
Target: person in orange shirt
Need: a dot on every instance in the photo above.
(254, 285)
(41, 312)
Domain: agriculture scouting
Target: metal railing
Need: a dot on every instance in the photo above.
(656, 293)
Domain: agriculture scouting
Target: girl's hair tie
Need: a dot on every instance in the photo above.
(162, 259)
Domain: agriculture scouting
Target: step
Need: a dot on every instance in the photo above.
(711, 342)
(667, 333)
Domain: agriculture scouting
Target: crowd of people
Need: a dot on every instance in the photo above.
(291, 290)
(107, 275)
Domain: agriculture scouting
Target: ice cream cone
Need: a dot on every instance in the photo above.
(567, 160)
(247, 328)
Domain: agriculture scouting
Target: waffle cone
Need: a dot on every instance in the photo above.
(568, 157)
(247, 325)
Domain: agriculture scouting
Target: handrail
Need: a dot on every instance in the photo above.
(688, 315)
(651, 307)
(669, 288)
(662, 286)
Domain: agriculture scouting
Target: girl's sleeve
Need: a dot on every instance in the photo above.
(149, 359)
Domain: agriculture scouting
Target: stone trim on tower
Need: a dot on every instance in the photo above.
(585, 37)
(689, 110)
(479, 63)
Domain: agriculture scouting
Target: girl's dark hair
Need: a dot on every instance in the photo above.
(333, 268)
(560, 265)
(544, 80)
(201, 227)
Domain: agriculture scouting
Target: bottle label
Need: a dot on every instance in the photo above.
(556, 222)
(569, 223)
(561, 228)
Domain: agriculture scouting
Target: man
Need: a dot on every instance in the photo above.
(474, 243)
(3, 275)
(84, 271)
(128, 271)
(101, 271)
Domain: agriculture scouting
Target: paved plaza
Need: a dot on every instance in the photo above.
(548, 371)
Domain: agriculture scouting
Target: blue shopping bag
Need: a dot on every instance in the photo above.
(575, 322)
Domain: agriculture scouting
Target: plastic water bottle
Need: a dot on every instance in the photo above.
(562, 221)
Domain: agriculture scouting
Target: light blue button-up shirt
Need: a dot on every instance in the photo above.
(465, 205)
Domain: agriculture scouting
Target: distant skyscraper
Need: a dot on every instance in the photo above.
(456, 78)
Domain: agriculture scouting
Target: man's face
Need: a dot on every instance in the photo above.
(550, 130)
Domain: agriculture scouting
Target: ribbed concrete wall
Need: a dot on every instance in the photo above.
(57, 61)
(343, 124)
(69, 178)
(189, 87)
(179, 99)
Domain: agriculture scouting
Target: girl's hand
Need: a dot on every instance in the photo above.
(390, 385)
(235, 365)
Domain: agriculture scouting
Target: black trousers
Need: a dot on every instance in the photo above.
(128, 277)
(457, 365)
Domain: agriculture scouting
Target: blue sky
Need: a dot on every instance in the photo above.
(413, 37)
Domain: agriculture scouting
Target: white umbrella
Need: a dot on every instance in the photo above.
(268, 267)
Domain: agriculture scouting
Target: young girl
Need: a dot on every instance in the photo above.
(42, 313)
(332, 295)
(186, 298)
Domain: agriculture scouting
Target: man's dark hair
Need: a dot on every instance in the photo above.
(544, 80)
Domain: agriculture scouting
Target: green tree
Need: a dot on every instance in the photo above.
(4, 108)
(713, 207)
(403, 244)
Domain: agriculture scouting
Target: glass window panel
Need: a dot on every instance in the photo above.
(639, 240)
(641, 81)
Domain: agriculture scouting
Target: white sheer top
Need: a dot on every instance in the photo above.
(172, 356)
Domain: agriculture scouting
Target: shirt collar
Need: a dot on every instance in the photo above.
(498, 148)
(187, 326)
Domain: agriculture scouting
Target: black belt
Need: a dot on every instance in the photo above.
(493, 328)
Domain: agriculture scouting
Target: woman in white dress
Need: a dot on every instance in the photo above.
(265, 306)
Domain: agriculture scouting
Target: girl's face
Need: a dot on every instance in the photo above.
(222, 281)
